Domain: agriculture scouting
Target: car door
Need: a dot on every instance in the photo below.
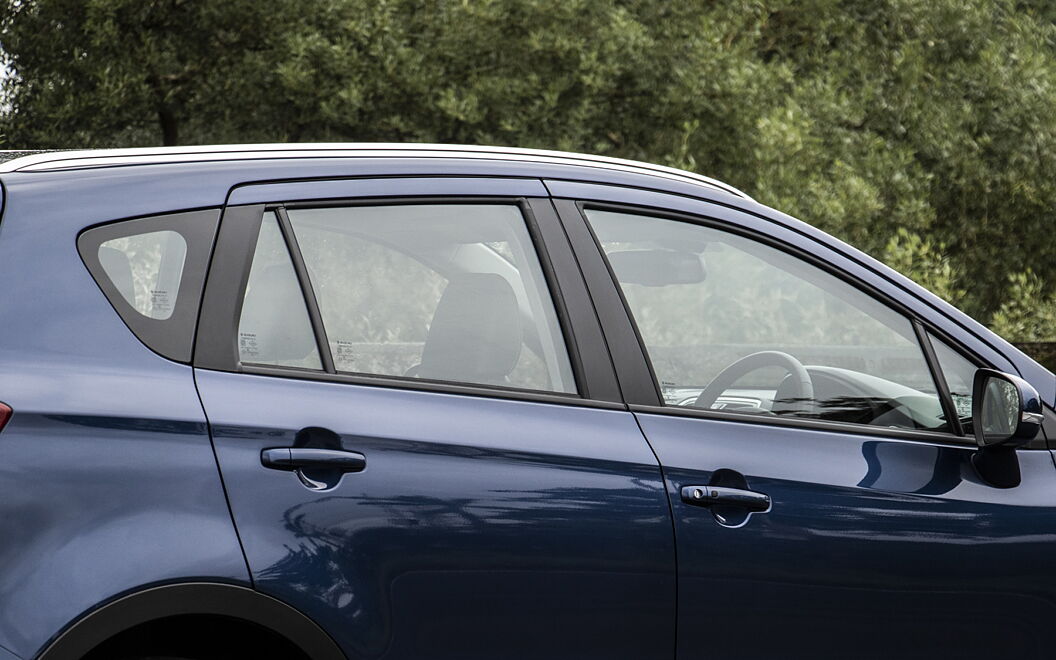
(812, 433)
(419, 428)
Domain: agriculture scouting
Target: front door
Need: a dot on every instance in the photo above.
(813, 441)
(417, 454)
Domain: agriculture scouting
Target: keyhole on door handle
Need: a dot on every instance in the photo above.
(728, 497)
(316, 437)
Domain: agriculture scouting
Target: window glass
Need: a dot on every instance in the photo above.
(732, 324)
(274, 328)
(146, 269)
(959, 373)
(442, 292)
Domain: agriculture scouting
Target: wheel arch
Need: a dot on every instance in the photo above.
(196, 598)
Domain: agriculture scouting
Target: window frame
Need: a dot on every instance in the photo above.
(650, 400)
(216, 348)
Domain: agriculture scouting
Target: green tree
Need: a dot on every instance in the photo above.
(882, 121)
(925, 263)
(932, 117)
(1028, 312)
(92, 73)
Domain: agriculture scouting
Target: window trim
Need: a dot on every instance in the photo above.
(584, 338)
(217, 346)
(430, 385)
(304, 282)
(627, 353)
(937, 375)
(939, 437)
(574, 211)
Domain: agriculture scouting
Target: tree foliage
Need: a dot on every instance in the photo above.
(919, 259)
(922, 132)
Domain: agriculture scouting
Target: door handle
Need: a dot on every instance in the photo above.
(739, 497)
(308, 458)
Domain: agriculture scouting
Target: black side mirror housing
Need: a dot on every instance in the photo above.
(1006, 410)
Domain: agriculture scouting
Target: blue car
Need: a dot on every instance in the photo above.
(438, 402)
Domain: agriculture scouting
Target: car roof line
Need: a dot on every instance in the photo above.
(38, 161)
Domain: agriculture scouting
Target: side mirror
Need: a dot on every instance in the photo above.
(1006, 410)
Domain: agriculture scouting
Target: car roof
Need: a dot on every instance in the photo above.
(44, 161)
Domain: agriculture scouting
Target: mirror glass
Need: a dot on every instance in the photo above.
(657, 267)
(1001, 408)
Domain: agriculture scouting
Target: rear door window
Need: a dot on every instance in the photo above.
(274, 328)
(438, 292)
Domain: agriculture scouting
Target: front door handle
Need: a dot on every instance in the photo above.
(739, 497)
(310, 458)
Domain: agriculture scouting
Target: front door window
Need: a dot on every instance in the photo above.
(733, 324)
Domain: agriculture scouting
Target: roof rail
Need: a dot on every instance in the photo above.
(36, 161)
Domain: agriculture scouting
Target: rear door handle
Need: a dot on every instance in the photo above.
(709, 495)
(307, 458)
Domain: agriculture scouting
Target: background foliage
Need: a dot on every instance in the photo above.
(922, 131)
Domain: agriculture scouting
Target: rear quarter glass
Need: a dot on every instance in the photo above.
(152, 271)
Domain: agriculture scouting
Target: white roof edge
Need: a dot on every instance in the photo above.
(57, 160)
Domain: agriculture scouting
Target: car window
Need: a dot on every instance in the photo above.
(733, 324)
(146, 270)
(959, 373)
(274, 328)
(448, 292)
(152, 271)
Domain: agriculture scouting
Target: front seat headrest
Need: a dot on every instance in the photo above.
(476, 332)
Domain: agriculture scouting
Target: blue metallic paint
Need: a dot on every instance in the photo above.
(480, 528)
(475, 515)
(108, 478)
(110, 193)
(892, 548)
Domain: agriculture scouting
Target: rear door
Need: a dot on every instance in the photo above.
(419, 428)
(812, 431)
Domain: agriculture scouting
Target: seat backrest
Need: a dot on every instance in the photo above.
(476, 333)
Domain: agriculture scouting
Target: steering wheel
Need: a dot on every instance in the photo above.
(800, 391)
